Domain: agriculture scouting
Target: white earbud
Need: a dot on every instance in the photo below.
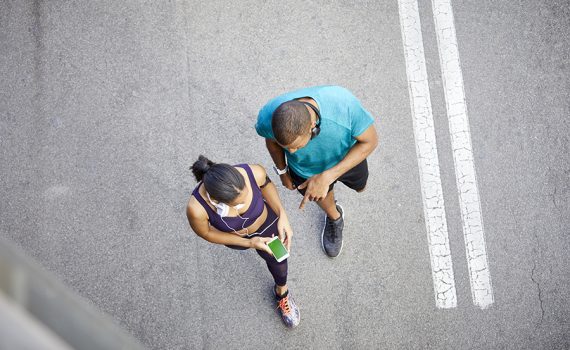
(222, 209)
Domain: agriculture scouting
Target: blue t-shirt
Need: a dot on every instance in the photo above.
(342, 119)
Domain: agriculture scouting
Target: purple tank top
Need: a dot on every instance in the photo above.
(228, 224)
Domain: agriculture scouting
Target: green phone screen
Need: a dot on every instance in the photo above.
(277, 248)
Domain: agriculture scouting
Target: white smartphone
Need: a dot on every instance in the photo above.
(278, 249)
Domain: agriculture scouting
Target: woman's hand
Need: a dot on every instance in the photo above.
(260, 243)
(285, 231)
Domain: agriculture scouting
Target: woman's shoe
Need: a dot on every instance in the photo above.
(287, 309)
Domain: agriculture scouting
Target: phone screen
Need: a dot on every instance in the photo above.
(277, 248)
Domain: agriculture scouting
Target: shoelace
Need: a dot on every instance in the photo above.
(331, 231)
(284, 305)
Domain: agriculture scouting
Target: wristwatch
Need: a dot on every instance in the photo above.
(280, 171)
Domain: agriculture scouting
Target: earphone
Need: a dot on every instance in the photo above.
(222, 209)
(317, 129)
(242, 225)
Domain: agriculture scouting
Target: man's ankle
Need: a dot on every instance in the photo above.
(335, 216)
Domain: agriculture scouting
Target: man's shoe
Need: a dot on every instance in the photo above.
(331, 238)
(287, 309)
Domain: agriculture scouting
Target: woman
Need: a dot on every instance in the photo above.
(238, 206)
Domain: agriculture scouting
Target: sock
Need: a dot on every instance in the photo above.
(281, 296)
(333, 220)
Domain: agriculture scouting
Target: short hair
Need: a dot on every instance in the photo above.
(289, 121)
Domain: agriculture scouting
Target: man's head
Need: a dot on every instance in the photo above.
(291, 124)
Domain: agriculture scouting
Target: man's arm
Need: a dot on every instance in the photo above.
(317, 186)
(278, 156)
(366, 143)
(276, 152)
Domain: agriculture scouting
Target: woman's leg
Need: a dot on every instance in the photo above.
(287, 307)
(277, 269)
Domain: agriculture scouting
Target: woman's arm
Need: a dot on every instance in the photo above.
(198, 220)
(269, 192)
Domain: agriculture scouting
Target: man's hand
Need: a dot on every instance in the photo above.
(285, 231)
(317, 188)
(287, 181)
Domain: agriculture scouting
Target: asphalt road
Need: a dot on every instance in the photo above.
(104, 105)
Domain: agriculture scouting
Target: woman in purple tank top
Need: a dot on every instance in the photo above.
(238, 206)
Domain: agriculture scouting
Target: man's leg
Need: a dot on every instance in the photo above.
(327, 203)
(357, 177)
(329, 206)
(331, 236)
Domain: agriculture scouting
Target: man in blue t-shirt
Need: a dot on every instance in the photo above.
(316, 137)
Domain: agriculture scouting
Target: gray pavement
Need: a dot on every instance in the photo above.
(104, 105)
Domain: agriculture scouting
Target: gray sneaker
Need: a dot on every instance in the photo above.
(287, 309)
(331, 238)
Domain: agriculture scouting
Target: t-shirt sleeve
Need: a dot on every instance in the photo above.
(360, 118)
(263, 124)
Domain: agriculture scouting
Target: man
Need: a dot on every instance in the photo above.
(316, 137)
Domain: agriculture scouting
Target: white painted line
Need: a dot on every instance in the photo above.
(480, 277)
(426, 150)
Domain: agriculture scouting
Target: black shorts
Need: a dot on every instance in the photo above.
(355, 178)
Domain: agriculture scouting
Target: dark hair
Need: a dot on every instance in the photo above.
(222, 181)
(289, 121)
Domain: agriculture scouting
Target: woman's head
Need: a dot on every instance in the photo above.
(223, 182)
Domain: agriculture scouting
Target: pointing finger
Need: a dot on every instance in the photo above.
(304, 201)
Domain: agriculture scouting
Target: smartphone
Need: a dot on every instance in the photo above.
(278, 249)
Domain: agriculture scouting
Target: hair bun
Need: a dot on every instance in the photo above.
(201, 167)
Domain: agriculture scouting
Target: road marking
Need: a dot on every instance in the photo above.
(426, 150)
(480, 277)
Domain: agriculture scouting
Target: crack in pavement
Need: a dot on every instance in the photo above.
(539, 295)
(537, 251)
(553, 195)
(532, 277)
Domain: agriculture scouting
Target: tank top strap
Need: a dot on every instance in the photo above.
(249, 175)
(202, 201)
